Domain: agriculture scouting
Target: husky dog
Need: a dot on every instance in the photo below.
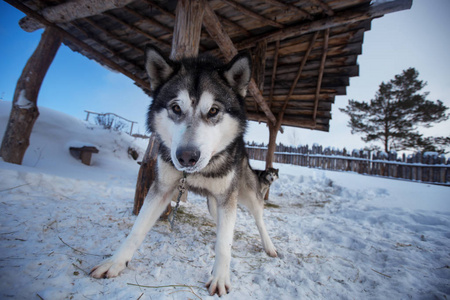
(198, 115)
(266, 178)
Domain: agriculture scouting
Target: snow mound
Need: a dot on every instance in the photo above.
(339, 235)
(54, 133)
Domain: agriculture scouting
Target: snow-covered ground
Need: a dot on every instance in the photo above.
(339, 235)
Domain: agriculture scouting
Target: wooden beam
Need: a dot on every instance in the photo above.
(107, 52)
(273, 129)
(259, 64)
(24, 112)
(325, 7)
(302, 98)
(291, 7)
(160, 8)
(232, 24)
(341, 18)
(187, 29)
(71, 10)
(218, 34)
(252, 14)
(104, 44)
(274, 72)
(321, 69)
(111, 35)
(147, 19)
(306, 122)
(70, 38)
(299, 73)
(137, 29)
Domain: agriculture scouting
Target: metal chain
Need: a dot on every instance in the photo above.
(181, 190)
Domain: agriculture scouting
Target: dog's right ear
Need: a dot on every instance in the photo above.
(238, 72)
(159, 68)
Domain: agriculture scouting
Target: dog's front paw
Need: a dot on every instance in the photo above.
(272, 252)
(270, 248)
(108, 268)
(219, 284)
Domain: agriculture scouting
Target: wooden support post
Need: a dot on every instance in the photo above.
(188, 28)
(24, 112)
(186, 42)
(273, 129)
(146, 174)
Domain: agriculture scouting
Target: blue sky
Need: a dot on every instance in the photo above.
(418, 38)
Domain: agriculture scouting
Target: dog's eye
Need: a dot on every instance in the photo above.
(176, 109)
(213, 112)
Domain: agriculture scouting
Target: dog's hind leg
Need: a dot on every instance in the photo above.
(256, 207)
(154, 205)
(212, 207)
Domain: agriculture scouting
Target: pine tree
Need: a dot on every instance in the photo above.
(396, 112)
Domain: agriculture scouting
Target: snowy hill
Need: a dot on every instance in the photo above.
(339, 235)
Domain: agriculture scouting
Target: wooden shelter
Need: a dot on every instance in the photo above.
(304, 51)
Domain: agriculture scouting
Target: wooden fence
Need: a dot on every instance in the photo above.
(111, 119)
(423, 167)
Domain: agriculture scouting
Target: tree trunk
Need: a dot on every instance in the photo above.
(186, 42)
(24, 111)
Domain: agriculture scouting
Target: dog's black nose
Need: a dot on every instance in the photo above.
(188, 157)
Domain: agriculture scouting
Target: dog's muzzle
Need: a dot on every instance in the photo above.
(188, 156)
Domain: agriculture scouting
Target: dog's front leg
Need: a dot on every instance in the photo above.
(219, 281)
(154, 205)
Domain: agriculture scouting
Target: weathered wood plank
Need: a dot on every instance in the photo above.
(274, 72)
(187, 30)
(259, 64)
(138, 30)
(253, 15)
(299, 73)
(291, 7)
(147, 174)
(71, 10)
(321, 69)
(342, 18)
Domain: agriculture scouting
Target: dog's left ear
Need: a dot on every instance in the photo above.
(159, 68)
(238, 73)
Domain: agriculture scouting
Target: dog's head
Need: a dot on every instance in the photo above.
(272, 175)
(198, 105)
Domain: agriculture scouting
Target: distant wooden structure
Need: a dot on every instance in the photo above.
(84, 153)
(420, 167)
(304, 52)
(112, 116)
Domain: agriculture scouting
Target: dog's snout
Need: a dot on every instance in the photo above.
(188, 157)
